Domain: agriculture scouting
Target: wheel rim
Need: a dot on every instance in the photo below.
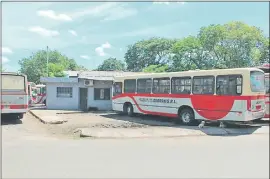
(129, 110)
(186, 117)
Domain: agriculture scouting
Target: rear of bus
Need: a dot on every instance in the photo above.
(14, 95)
(256, 95)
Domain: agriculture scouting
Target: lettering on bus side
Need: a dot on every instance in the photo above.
(151, 100)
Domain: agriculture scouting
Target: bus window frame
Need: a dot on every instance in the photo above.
(135, 86)
(160, 78)
(213, 85)
(122, 88)
(145, 86)
(237, 75)
(184, 77)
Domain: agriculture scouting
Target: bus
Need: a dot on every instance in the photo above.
(31, 85)
(41, 94)
(14, 94)
(266, 69)
(236, 95)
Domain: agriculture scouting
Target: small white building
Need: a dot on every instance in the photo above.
(80, 90)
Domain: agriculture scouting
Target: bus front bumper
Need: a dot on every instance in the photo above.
(249, 116)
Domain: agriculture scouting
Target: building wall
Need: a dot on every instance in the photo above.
(62, 103)
(100, 104)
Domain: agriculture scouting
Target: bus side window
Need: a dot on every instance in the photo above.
(229, 85)
(181, 85)
(144, 85)
(117, 88)
(129, 86)
(203, 85)
(161, 85)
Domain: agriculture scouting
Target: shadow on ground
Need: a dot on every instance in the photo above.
(211, 129)
(10, 120)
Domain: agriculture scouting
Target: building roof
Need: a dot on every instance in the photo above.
(104, 75)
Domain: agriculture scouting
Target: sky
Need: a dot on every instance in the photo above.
(91, 32)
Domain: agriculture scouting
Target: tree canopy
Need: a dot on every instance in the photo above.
(111, 64)
(35, 66)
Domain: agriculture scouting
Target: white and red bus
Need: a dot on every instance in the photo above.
(14, 102)
(31, 85)
(225, 94)
(41, 94)
(266, 69)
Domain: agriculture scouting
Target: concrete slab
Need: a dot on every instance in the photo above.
(47, 117)
(150, 132)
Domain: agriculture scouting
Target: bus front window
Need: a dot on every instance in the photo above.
(257, 81)
(117, 88)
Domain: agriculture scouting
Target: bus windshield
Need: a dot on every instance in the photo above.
(257, 81)
(13, 82)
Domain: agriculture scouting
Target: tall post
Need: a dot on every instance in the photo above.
(47, 61)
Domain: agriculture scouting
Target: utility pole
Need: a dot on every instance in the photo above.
(47, 61)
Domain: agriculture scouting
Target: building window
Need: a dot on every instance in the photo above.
(229, 85)
(64, 92)
(144, 85)
(102, 94)
(203, 85)
(129, 86)
(161, 85)
(181, 85)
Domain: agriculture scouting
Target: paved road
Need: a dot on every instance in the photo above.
(30, 152)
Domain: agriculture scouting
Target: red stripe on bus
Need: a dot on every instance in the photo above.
(267, 102)
(15, 106)
(267, 116)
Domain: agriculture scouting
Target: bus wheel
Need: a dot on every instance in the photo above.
(128, 109)
(186, 116)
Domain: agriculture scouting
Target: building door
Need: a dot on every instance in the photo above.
(83, 99)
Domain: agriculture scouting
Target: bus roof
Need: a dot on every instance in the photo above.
(12, 73)
(191, 73)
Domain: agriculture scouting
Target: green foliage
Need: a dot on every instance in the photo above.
(111, 64)
(156, 68)
(230, 45)
(35, 66)
(144, 53)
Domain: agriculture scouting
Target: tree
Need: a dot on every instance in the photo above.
(234, 44)
(156, 68)
(144, 53)
(111, 64)
(35, 66)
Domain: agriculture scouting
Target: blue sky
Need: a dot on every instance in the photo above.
(90, 32)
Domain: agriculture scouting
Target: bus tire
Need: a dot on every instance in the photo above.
(128, 109)
(186, 116)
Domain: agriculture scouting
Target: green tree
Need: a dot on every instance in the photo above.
(35, 66)
(234, 44)
(144, 53)
(111, 64)
(156, 68)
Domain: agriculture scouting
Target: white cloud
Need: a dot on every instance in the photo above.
(106, 45)
(4, 60)
(44, 32)
(100, 50)
(52, 15)
(107, 11)
(85, 57)
(6, 50)
(73, 32)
